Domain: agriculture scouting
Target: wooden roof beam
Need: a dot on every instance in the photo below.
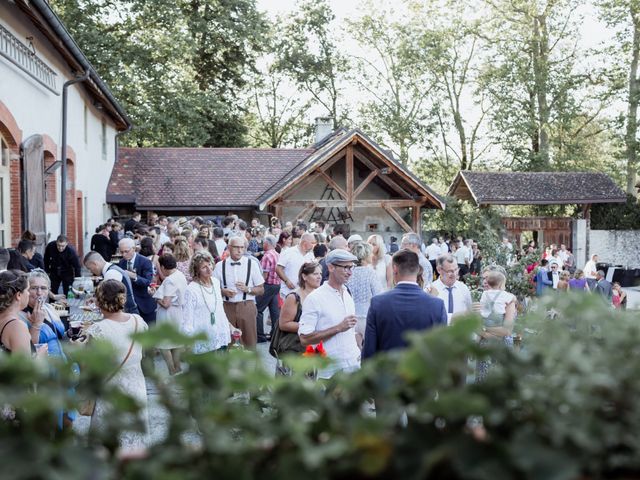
(364, 183)
(332, 183)
(385, 178)
(376, 203)
(349, 178)
(397, 217)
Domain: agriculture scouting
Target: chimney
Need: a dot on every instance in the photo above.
(324, 127)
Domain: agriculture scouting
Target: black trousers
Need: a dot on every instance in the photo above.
(268, 299)
(66, 281)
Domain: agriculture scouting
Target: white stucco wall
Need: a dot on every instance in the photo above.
(37, 110)
(617, 247)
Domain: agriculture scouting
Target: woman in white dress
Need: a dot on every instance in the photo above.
(203, 310)
(381, 262)
(170, 298)
(117, 328)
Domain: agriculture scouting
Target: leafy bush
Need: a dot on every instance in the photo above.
(561, 407)
(607, 216)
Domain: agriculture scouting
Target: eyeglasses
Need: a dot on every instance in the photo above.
(347, 268)
(35, 289)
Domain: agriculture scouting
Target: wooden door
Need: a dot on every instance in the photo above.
(32, 154)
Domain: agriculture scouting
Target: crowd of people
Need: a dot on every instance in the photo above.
(292, 286)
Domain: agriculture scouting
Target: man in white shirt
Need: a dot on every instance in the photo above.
(291, 260)
(433, 251)
(590, 271)
(218, 239)
(444, 246)
(554, 274)
(563, 254)
(241, 281)
(454, 293)
(328, 316)
(462, 259)
(99, 267)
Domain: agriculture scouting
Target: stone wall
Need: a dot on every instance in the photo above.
(618, 247)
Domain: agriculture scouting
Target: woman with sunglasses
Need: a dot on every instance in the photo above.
(45, 326)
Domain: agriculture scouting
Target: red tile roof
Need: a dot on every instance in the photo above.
(198, 177)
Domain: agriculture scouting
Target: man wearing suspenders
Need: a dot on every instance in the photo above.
(241, 281)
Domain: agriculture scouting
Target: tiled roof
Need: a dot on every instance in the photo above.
(198, 177)
(539, 188)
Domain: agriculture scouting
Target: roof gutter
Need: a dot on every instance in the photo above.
(63, 153)
(59, 28)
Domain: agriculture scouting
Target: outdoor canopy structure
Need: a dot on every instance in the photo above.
(535, 188)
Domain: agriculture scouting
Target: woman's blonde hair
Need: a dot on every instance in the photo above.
(362, 251)
(181, 250)
(379, 242)
(203, 256)
(111, 296)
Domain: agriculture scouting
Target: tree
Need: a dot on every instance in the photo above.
(398, 111)
(532, 79)
(447, 45)
(622, 62)
(308, 52)
(276, 118)
(176, 66)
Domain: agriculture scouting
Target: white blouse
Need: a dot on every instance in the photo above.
(200, 303)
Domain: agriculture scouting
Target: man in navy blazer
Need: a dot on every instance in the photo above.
(140, 270)
(405, 308)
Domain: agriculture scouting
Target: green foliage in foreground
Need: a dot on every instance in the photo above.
(562, 406)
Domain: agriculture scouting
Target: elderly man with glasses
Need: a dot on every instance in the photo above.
(454, 293)
(329, 316)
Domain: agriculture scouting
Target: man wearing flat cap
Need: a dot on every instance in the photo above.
(328, 316)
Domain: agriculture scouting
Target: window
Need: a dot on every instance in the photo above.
(5, 181)
(104, 139)
(372, 227)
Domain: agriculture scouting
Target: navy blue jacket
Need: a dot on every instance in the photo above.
(391, 314)
(144, 269)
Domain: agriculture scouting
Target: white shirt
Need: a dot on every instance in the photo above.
(199, 303)
(433, 251)
(589, 267)
(324, 308)
(462, 255)
(292, 259)
(555, 278)
(444, 248)
(112, 274)
(238, 273)
(461, 297)
(221, 245)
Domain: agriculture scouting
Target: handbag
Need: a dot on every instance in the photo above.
(283, 342)
(86, 407)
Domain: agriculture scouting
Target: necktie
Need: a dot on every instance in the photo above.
(235, 264)
(450, 309)
(129, 265)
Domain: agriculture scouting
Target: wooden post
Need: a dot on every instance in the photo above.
(331, 182)
(349, 178)
(416, 215)
(278, 212)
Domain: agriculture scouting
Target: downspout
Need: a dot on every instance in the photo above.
(63, 154)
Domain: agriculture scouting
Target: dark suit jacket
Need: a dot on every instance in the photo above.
(144, 269)
(63, 264)
(604, 288)
(393, 313)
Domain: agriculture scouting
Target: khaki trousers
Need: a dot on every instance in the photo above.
(242, 315)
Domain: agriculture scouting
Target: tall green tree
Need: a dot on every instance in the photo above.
(622, 63)
(176, 66)
(309, 53)
(532, 79)
(449, 47)
(276, 118)
(398, 109)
